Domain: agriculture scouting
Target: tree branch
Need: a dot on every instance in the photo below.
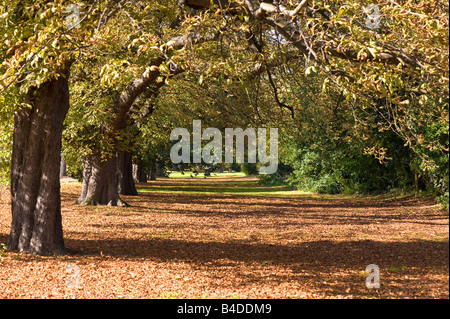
(275, 92)
(270, 15)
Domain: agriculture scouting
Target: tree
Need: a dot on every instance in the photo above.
(37, 49)
(102, 182)
(36, 215)
(36, 204)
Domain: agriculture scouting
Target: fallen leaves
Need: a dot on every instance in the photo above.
(182, 245)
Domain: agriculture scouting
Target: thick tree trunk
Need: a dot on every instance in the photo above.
(100, 182)
(35, 187)
(125, 173)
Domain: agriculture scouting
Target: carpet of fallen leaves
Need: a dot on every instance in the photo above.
(181, 245)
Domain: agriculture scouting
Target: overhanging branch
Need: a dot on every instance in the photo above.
(278, 17)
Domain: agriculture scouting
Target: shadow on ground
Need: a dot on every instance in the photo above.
(327, 253)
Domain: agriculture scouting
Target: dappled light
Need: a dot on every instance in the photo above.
(182, 243)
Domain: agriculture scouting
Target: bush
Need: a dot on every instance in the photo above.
(271, 180)
(2, 249)
(344, 171)
(236, 167)
(249, 169)
(277, 179)
(327, 184)
(311, 173)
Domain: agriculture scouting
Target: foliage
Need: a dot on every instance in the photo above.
(151, 153)
(277, 179)
(271, 180)
(249, 169)
(6, 132)
(37, 45)
(99, 77)
(2, 249)
(361, 125)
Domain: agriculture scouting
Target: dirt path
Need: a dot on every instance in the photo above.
(182, 239)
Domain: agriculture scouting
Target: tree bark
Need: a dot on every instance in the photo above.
(125, 173)
(139, 175)
(153, 174)
(159, 171)
(63, 168)
(36, 226)
(100, 182)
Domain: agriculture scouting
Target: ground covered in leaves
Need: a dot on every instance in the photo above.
(226, 237)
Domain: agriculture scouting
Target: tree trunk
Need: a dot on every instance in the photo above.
(139, 175)
(100, 182)
(36, 226)
(153, 174)
(63, 168)
(125, 173)
(158, 171)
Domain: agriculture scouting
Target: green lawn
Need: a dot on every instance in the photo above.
(201, 175)
(207, 189)
(240, 184)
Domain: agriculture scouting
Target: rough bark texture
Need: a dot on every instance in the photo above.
(125, 173)
(35, 167)
(100, 182)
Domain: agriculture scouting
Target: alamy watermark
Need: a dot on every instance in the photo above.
(373, 280)
(73, 19)
(212, 153)
(73, 279)
(373, 18)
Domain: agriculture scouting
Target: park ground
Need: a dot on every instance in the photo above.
(228, 237)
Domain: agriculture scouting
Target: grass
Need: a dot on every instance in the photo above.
(233, 190)
(188, 174)
(240, 184)
(248, 186)
(397, 269)
(237, 183)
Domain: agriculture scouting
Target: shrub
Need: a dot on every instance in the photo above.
(277, 179)
(2, 249)
(249, 169)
